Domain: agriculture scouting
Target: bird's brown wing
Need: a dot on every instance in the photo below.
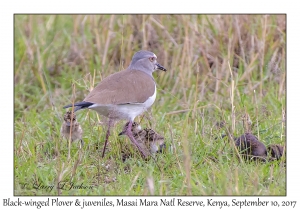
(127, 86)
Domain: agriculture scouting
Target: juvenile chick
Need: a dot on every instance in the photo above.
(250, 146)
(76, 130)
(147, 138)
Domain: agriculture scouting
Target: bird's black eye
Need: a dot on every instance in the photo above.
(152, 59)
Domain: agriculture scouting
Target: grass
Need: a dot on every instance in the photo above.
(220, 67)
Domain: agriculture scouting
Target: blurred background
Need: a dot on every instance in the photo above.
(196, 49)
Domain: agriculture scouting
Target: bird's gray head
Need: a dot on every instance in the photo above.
(145, 61)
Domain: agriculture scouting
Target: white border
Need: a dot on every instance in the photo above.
(154, 6)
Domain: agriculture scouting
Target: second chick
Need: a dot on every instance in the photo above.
(71, 127)
(148, 139)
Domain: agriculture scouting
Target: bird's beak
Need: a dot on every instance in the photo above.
(68, 124)
(122, 133)
(160, 67)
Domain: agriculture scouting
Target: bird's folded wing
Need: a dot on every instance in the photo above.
(124, 87)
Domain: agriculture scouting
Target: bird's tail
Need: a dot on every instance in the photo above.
(80, 105)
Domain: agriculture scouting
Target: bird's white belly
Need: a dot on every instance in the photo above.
(124, 111)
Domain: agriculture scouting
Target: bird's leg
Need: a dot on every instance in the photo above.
(107, 136)
(131, 137)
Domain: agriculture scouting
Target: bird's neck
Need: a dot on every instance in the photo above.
(140, 68)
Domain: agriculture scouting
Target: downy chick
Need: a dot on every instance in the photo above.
(147, 138)
(76, 130)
